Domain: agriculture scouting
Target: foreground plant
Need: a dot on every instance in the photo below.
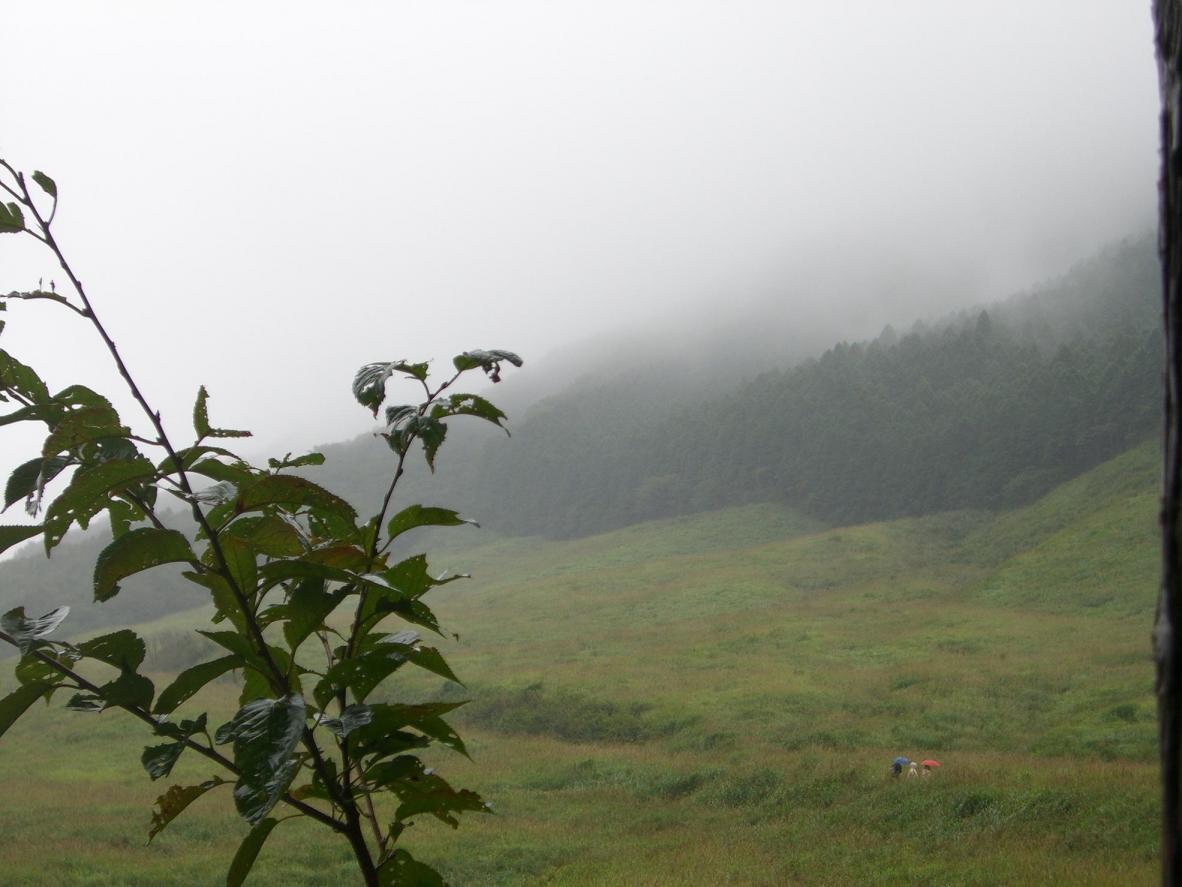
(305, 593)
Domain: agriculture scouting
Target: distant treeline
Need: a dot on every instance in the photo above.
(983, 409)
(986, 409)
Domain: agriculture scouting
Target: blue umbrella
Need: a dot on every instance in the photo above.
(901, 761)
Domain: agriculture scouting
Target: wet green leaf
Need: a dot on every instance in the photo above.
(14, 535)
(129, 689)
(82, 426)
(89, 492)
(158, 760)
(134, 552)
(468, 405)
(30, 477)
(18, 701)
(306, 609)
(298, 462)
(265, 733)
(23, 380)
(12, 219)
(291, 493)
(353, 717)
(28, 632)
(191, 680)
(48, 185)
(369, 385)
(490, 361)
(267, 534)
(123, 649)
(423, 516)
(248, 852)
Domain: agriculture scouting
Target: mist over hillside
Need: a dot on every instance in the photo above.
(988, 407)
(984, 408)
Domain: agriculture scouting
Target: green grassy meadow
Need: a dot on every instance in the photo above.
(716, 700)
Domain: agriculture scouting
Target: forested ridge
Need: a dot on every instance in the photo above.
(988, 408)
(984, 409)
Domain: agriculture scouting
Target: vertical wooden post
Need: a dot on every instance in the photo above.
(1168, 27)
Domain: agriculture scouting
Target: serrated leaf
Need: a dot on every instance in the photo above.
(369, 385)
(158, 760)
(86, 702)
(48, 185)
(306, 609)
(173, 802)
(352, 718)
(224, 598)
(248, 852)
(30, 477)
(129, 689)
(433, 795)
(23, 380)
(291, 493)
(18, 701)
(410, 576)
(423, 516)
(236, 473)
(265, 733)
(88, 493)
(489, 361)
(470, 405)
(365, 671)
(298, 462)
(82, 426)
(430, 432)
(268, 535)
(432, 660)
(12, 219)
(240, 561)
(123, 649)
(34, 670)
(201, 420)
(28, 632)
(396, 416)
(134, 552)
(403, 870)
(12, 535)
(191, 680)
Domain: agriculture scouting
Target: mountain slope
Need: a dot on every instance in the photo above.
(734, 679)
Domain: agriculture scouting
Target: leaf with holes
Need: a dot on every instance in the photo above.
(89, 492)
(123, 649)
(173, 802)
(201, 420)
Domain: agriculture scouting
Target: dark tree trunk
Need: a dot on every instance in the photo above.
(1168, 22)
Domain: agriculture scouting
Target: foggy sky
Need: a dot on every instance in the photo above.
(282, 192)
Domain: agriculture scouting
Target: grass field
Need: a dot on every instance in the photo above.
(715, 700)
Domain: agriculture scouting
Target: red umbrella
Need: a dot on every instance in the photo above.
(930, 763)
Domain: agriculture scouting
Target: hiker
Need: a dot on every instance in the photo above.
(913, 773)
(897, 766)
